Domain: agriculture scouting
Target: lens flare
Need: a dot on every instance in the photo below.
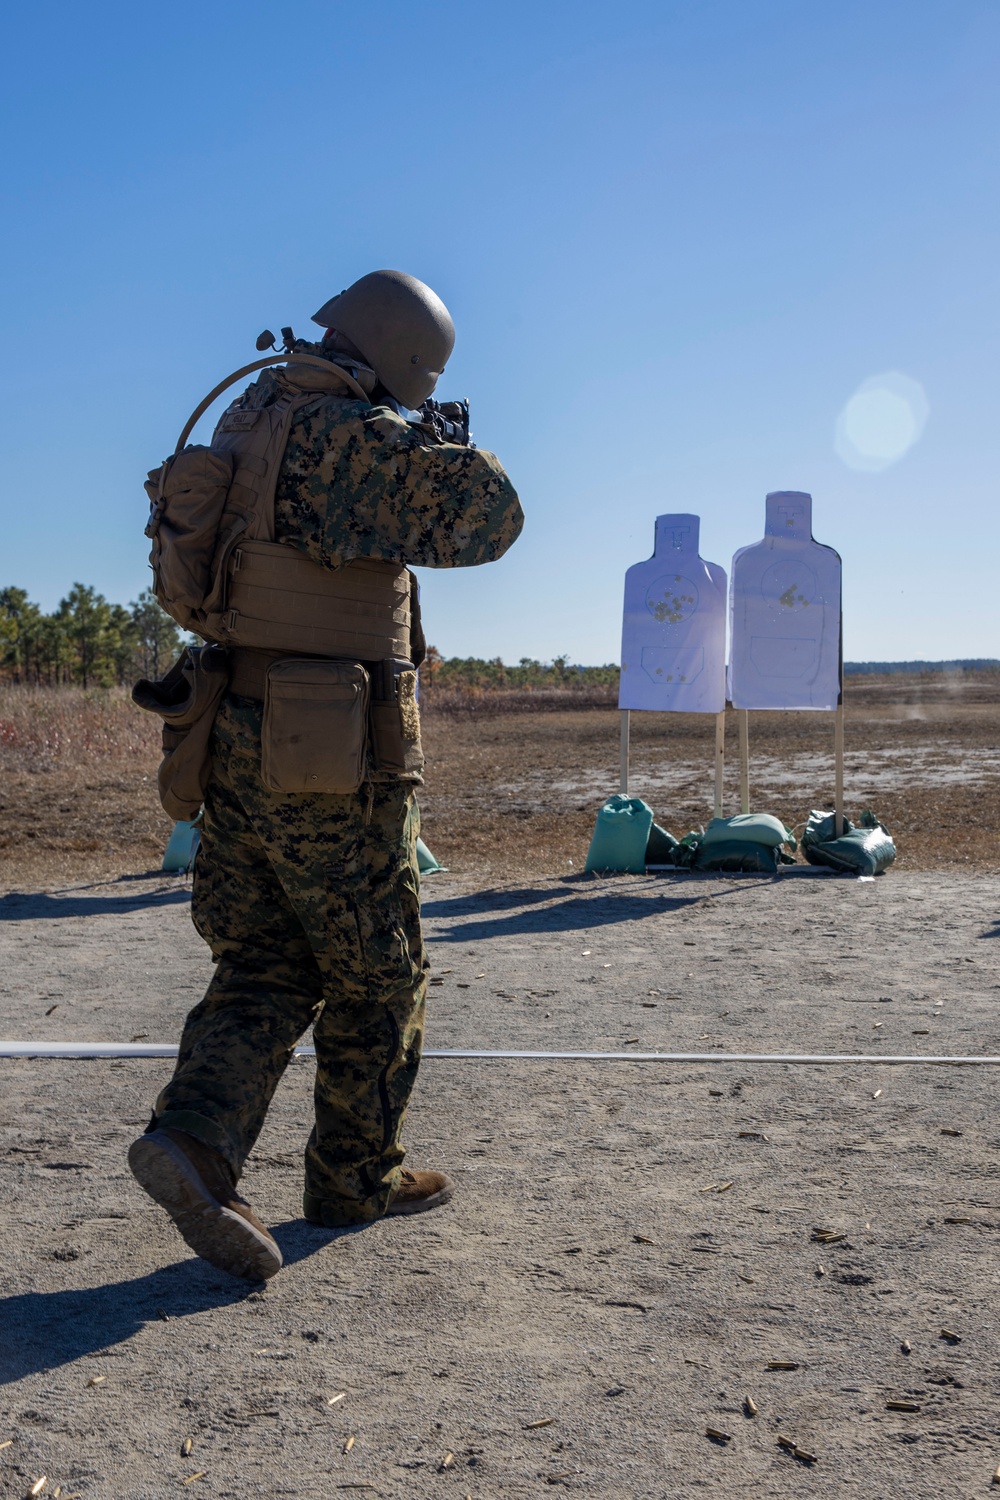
(881, 422)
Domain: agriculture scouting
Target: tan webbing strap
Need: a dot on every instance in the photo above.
(248, 671)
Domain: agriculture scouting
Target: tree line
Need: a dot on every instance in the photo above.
(85, 641)
(474, 674)
(88, 642)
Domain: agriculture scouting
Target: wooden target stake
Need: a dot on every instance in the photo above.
(838, 769)
(744, 760)
(623, 775)
(720, 759)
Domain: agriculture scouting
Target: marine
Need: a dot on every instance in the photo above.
(308, 899)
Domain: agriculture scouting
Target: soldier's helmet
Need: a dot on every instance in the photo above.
(402, 328)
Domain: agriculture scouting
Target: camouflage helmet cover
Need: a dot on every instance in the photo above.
(402, 328)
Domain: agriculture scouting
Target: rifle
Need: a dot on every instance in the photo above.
(445, 421)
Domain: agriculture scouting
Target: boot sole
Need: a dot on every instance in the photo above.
(214, 1232)
(422, 1205)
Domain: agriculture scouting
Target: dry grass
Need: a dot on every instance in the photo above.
(43, 729)
(512, 793)
(77, 786)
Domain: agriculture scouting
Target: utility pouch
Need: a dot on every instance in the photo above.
(188, 495)
(395, 719)
(187, 700)
(315, 731)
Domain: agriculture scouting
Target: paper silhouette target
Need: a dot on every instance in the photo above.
(785, 614)
(674, 626)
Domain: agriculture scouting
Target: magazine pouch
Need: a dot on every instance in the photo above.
(395, 720)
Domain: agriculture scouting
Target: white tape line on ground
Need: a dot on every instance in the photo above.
(165, 1049)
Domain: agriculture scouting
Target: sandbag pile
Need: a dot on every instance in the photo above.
(865, 849)
(750, 842)
(627, 839)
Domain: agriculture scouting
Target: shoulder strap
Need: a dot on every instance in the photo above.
(326, 365)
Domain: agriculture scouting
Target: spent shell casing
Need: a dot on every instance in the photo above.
(448, 1461)
(39, 1485)
(786, 1442)
(807, 1458)
(950, 1337)
(349, 1444)
(781, 1364)
(906, 1346)
(948, 1130)
(192, 1477)
(902, 1406)
(541, 1422)
(186, 1447)
(996, 1475)
(720, 1437)
(751, 1406)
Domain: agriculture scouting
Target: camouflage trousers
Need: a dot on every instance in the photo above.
(310, 906)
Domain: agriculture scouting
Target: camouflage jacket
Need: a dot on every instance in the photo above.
(358, 481)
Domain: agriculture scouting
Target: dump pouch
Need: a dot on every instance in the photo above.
(315, 731)
(395, 720)
(186, 699)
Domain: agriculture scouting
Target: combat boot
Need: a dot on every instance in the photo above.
(197, 1187)
(420, 1191)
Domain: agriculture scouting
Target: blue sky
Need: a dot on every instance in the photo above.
(677, 239)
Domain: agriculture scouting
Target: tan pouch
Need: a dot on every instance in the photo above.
(187, 700)
(188, 494)
(315, 734)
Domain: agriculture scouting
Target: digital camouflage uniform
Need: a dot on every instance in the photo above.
(310, 902)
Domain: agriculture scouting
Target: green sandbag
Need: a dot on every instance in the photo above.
(621, 834)
(182, 846)
(660, 846)
(749, 842)
(752, 828)
(740, 854)
(865, 849)
(426, 863)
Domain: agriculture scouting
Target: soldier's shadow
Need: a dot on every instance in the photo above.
(43, 1330)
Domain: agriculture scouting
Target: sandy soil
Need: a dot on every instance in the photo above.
(631, 1245)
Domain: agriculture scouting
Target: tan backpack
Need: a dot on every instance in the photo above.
(205, 498)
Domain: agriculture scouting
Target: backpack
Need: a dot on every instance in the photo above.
(204, 499)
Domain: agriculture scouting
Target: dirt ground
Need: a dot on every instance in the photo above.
(514, 796)
(633, 1247)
